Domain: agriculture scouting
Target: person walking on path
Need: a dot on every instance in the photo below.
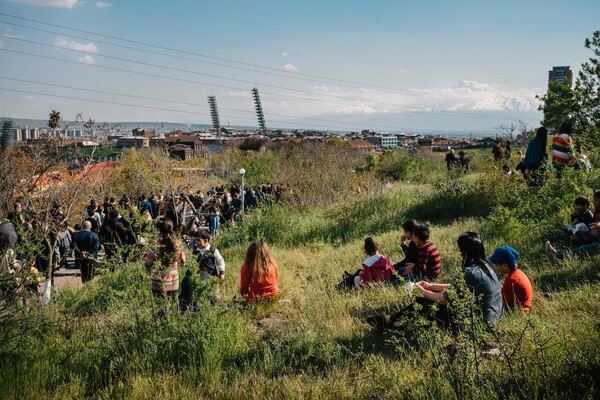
(85, 246)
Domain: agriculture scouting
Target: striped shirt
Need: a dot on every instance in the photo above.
(562, 149)
(429, 261)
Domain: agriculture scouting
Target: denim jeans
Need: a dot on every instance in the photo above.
(214, 224)
(580, 250)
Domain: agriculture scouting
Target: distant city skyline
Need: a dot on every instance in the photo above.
(337, 65)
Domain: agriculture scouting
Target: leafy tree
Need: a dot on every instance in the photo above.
(587, 88)
(580, 104)
(559, 104)
(252, 144)
(395, 165)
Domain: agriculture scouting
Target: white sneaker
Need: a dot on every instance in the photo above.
(550, 251)
(547, 248)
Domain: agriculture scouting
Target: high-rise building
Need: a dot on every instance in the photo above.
(7, 134)
(560, 74)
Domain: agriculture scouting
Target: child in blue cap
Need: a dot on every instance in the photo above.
(516, 289)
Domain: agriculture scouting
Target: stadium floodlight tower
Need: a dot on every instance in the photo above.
(214, 115)
(259, 111)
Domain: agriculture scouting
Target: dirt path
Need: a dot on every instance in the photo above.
(67, 277)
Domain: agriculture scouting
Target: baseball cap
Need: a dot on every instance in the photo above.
(505, 254)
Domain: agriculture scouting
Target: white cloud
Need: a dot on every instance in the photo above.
(285, 54)
(356, 109)
(30, 98)
(289, 68)
(103, 4)
(72, 45)
(464, 96)
(11, 36)
(48, 3)
(87, 60)
(2, 44)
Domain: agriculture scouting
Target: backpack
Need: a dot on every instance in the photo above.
(107, 235)
(348, 280)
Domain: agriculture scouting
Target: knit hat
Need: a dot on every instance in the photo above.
(505, 255)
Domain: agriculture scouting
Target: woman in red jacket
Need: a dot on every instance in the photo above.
(260, 274)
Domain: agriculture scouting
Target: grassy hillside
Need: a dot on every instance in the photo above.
(112, 339)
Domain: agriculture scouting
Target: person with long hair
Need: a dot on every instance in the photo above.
(480, 277)
(260, 274)
(165, 260)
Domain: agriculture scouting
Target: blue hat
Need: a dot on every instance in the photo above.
(505, 254)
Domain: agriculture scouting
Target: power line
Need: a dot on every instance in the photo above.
(179, 102)
(291, 73)
(408, 92)
(412, 109)
(156, 108)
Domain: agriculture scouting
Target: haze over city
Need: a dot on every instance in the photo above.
(339, 65)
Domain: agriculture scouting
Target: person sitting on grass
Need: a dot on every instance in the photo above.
(583, 237)
(260, 274)
(411, 251)
(428, 262)
(482, 284)
(516, 289)
(578, 249)
(376, 268)
(581, 220)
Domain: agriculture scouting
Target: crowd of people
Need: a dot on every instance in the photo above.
(183, 242)
(421, 267)
(481, 276)
(117, 227)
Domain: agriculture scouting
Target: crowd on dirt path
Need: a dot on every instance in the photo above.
(115, 229)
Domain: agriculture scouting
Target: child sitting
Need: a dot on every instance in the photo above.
(579, 234)
(411, 251)
(376, 268)
(516, 287)
(429, 260)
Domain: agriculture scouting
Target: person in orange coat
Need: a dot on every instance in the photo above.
(260, 274)
(516, 290)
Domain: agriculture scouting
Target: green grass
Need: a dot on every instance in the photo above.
(112, 339)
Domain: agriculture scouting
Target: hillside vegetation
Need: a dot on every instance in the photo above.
(112, 339)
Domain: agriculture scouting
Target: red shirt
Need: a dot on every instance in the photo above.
(517, 286)
(255, 290)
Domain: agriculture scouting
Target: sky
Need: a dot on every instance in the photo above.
(336, 65)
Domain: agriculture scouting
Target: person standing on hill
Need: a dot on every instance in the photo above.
(85, 246)
(463, 161)
(451, 160)
(508, 151)
(165, 260)
(562, 148)
(497, 151)
(260, 274)
(516, 289)
(536, 152)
